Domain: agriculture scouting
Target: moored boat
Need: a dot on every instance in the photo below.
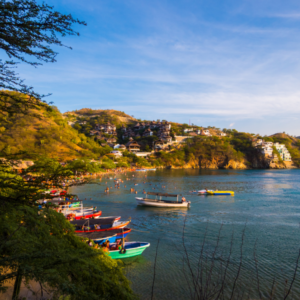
(221, 193)
(160, 202)
(130, 249)
(101, 236)
(104, 227)
(84, 216)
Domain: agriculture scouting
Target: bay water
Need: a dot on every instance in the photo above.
(257, 228)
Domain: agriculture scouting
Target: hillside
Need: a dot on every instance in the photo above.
(108, 115)
(45, 132)
(291, 143)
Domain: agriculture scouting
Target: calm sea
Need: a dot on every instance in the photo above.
(261, 221)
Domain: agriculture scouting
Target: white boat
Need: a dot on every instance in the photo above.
(159, 202)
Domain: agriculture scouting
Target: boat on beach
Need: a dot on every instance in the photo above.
(161, 201)
(130, 249)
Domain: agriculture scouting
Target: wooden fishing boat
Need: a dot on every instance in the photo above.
(220, 193)
(131, 249)
(160, 202)
(100, 236)
(94, 223)
(84, 216)
(104, 227)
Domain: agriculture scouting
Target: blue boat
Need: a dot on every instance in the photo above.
(101, 236)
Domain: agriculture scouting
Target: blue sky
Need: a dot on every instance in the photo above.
(229, 64)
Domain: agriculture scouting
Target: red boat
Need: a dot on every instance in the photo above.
(87, 216)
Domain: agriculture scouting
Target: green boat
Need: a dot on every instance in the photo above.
(131, 249)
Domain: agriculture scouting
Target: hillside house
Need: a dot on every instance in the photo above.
(137, 126)
(166, 138)
(116, 153)
(111, 140)
(158, 145)
(186, 130)
(166, 126)
(267, 151)
(133, 146)
(205, 132)
(147, 132)
(123, 128)
(192, 134)
(223, 134)
(153, 125)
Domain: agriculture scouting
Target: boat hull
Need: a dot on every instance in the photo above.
(158, 203)
(88, 216)
(122, 225)
(132, 249)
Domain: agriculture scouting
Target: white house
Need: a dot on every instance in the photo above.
(116, 153)
(185, 130)
(222, 134)
(205, 132)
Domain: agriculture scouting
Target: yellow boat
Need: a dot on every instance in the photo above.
(220, 193)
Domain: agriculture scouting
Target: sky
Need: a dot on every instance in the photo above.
(229, 64)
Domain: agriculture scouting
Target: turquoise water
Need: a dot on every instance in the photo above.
(265, 206)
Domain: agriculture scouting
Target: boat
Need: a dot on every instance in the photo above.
(84, 216)
(141, 170)
(221, 193)
(202, 192)
(100, 236)
(103, 227)
(130, 249)
(101, 221)
(159, 202)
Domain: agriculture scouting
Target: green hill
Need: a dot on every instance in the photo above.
(45, 132)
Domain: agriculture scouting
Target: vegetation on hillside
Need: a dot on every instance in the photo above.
(45, 132)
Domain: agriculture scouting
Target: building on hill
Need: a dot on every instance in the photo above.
(158, 145)
(116, 153)
(166, 138)
(223, 134)
(133, 146)
(166, 126)
(153, 125)
(122, 147)
(283, 152)
(111, 140)
(205, 132)
(137, 126)
(186, 130)
(147, 132)
(93, 132)
(123, 128)
(193, 134)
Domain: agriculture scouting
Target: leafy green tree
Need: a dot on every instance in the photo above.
(39, 243)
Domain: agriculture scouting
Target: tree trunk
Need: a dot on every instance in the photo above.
(17, 285)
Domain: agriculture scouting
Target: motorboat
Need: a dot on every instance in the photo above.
(161, 201)
(129, 249)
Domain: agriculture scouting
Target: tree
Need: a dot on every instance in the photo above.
(27, 31)
(38, 243)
